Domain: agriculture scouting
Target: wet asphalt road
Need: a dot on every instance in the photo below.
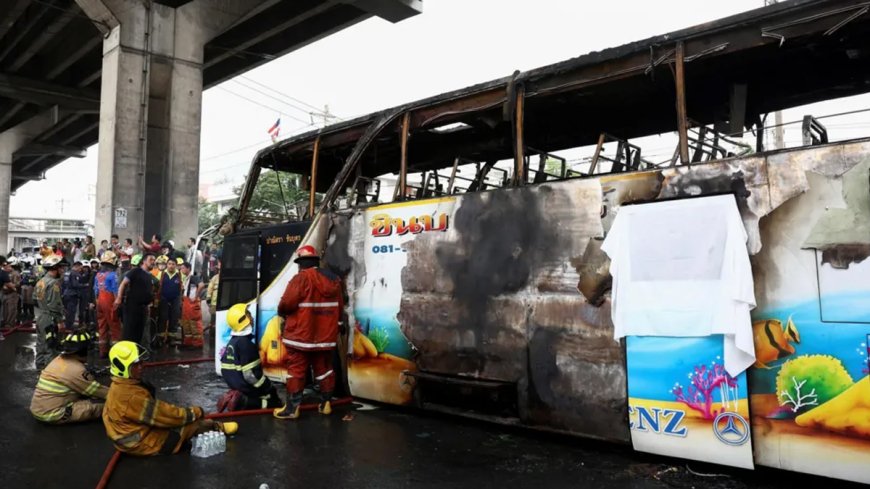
(380, 447)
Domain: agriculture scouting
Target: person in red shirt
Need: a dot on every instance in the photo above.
(153, 247)
(311, 307)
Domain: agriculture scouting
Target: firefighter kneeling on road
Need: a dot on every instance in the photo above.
(138, 423)
(66, 392)
(241, 369)
(311, 305)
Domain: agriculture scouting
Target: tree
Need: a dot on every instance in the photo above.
(275, 193)
(208, 215)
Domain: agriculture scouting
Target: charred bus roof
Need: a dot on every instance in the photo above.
(736, 70)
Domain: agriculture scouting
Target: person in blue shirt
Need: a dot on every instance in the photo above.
(169, 311)
(74, 290)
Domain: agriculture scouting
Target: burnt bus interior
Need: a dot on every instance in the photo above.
(710, 84)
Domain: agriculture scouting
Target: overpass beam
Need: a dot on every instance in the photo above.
(151, 110)
(11, 141)
(391, 10)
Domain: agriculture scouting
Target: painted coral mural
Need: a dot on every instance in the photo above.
(816, 399)
(683, 403)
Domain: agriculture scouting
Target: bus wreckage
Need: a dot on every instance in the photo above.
(478, 259)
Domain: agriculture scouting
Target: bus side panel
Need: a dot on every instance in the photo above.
(809, 391)
(493, 297)
(382, 237)
(276, 269)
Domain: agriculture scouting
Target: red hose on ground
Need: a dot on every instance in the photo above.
(177, 362)
(305, 407)
(18, 329)
(104, 480)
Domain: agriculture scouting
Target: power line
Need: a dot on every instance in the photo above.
(300, 109)
(263, 105)
(238, 150)
(267, 87)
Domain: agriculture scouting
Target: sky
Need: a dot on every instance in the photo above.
(374, 65)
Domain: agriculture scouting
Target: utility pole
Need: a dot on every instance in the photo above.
(778, 130)
(325, 117)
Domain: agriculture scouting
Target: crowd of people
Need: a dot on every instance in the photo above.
(147, 292)
(135, 421)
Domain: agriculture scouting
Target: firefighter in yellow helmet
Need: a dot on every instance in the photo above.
(66, 392)
(137, 422)
(241, 369)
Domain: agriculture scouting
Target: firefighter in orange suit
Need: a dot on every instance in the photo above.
(311, 307)
(138, 423)
(106, 289)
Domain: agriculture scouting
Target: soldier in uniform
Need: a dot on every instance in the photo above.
(49, 310)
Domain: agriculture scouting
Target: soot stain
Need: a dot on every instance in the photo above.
(502, 238)
(840, 256)
(337, 257)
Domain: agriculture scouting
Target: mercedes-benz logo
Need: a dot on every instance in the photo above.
(731, 428)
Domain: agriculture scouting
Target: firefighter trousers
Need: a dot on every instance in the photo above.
(320, 361)
(84, 410)
(108, 323)
(44, 352)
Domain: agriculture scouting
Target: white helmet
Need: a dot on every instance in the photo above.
(12, 261)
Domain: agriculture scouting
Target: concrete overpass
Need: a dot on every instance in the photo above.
(129, 74)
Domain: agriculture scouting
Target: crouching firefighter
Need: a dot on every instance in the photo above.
(138, 423)
(241, 368)
(311, 305)
(66, 391)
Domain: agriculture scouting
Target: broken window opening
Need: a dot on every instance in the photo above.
(278, 197)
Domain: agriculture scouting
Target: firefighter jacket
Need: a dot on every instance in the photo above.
(312, 305)
(241, 369)
(48, 300)
(64, 381)
(138, 423)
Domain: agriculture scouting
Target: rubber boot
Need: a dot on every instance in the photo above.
(291, 409)
(228, 427)
(325, 407)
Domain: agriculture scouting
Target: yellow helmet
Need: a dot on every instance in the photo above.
(109, 258)
(162, 259)
(237, 317)
(51, 262)
(123, 355)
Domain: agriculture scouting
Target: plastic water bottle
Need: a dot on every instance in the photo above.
(206, 445)
(222, 438)
(212, 446)
(198, 449)
(194, 446)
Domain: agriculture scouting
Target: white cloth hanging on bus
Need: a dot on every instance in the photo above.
(681, 268)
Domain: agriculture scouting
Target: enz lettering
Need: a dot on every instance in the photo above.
(657, 420)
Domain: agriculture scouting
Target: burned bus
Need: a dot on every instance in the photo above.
(471, 230)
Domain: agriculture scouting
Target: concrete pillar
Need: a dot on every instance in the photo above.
(5, 193)
(11, 141)
(151, 110)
